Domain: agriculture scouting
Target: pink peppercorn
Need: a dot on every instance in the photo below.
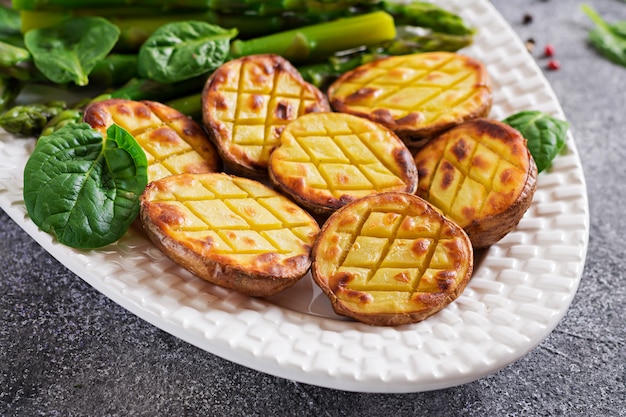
(548, 50)
(554, 64)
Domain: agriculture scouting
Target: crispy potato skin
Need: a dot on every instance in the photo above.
(426, 266)
(353, 157)
(416, 107)
(246, 269)
(247, 102)
(164, 133)
(500, 189)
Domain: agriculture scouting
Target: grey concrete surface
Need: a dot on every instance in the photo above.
(66, 350)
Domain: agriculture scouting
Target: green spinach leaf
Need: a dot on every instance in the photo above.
(10, 26)
(83, 188)
(608, 39)
(545, 135)
(182, 50)
(68, 51)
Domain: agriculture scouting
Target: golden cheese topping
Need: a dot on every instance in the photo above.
(232, 231)
(415, 95)
(481, 175)
(326, 160)
(390, 259)
(246, 104)
(173, 143)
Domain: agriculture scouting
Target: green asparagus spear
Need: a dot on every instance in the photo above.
(29, 119)
(63, 118)
(409, 43)
(322, 74)
(190, 105)
(427, 15)
(14, 63)
(321, 40)
(41, 19)
(12, 55)
(9, 90)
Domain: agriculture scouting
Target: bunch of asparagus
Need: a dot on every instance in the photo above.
(323, 38)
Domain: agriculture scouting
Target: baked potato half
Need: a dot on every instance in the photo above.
(390, 259)
(231, 231)
(246, 104)
(480, 174)
(173, 143)
(417, 96)
(326, 160)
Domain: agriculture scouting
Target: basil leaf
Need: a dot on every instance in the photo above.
(68, 51)
(544, 134)
(82, 188)
(608, 39)
(182, 50)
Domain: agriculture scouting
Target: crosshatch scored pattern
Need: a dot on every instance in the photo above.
(253, 121)
(165, 157)
(521, 287)
(239, 217)
(406, 76)
(482, 181)
(395, 267)
(172, 143)
(339, 161)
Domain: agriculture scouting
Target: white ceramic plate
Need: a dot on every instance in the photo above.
(521, 286)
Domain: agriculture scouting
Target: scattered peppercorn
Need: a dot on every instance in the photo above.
(528, 19)
(530, 45)
(548, 50)
(553, 64)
